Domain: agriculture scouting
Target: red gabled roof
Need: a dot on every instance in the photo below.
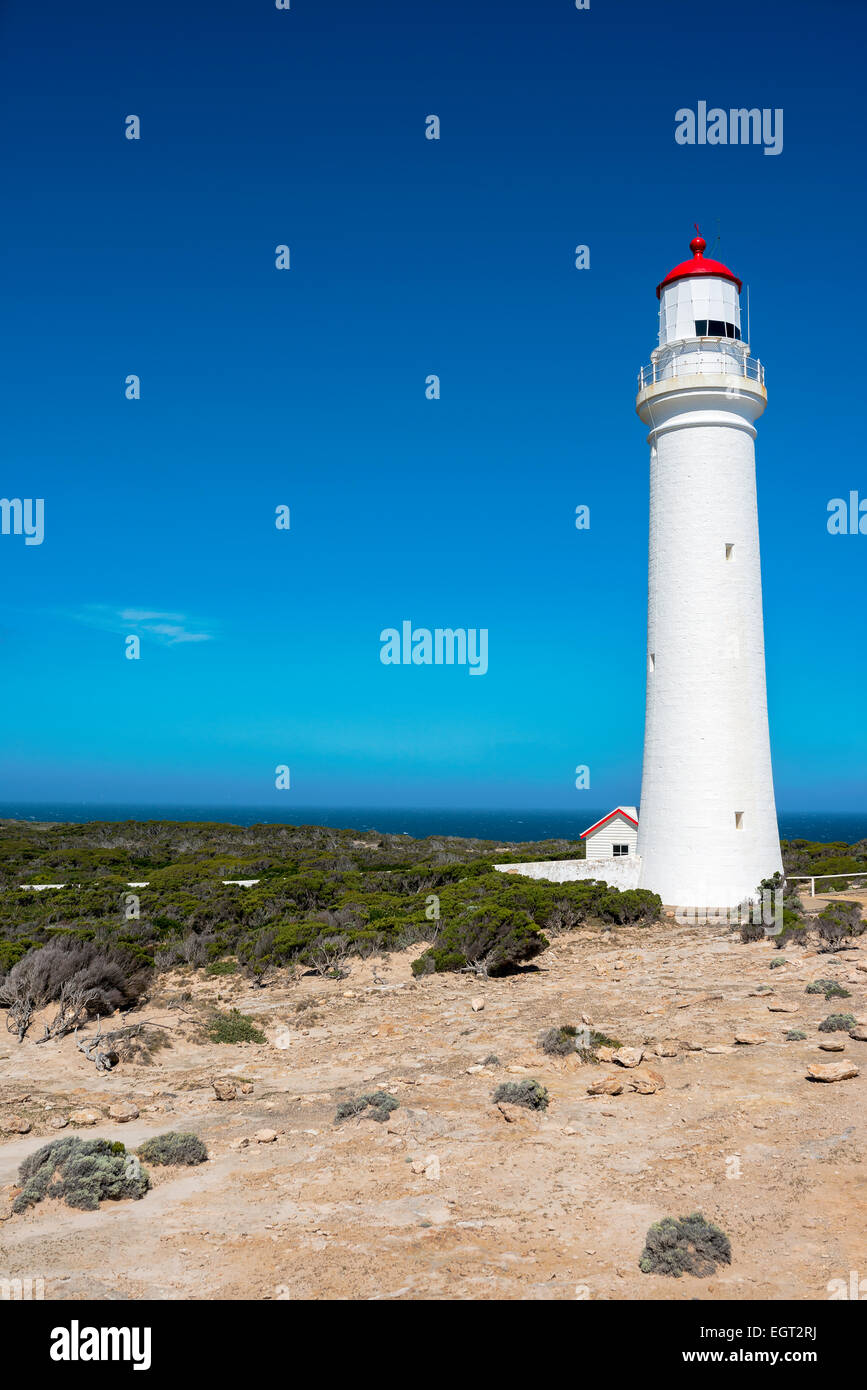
(699, 265)
(618, 811)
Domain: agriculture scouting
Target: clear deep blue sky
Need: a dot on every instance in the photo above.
(306, 387)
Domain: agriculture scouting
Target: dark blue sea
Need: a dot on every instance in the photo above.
(502, 826)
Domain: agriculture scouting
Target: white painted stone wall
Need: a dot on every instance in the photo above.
(706, 748)
(617, 873)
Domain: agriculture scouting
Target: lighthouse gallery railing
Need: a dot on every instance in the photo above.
(700, 364)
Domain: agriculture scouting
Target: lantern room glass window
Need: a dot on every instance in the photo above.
(716, 328)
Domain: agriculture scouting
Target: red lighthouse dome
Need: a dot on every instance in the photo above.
(699, 265)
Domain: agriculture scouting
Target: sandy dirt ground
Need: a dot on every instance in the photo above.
(452, 1198)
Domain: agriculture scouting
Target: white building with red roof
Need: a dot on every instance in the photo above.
(614, 836)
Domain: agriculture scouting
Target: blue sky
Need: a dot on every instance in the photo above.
(307, 388)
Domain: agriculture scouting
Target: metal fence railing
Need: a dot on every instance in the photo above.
(700, 363)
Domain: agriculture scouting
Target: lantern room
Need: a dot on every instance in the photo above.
(700, 298)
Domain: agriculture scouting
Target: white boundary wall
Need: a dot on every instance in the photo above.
(617, 873)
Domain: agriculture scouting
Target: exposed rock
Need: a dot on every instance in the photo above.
(265, 1136)
(780, 1007)
(432, 1168)
(14, 1124)
(606, 1086)
(628, 1056)
(58, 1121)
(646, 1081)
(123, 1110)
(720, 1049)
(83, 1118)
(477, 1004)
(667, 1048)
(832, 1071)
(750, 1039)
(397, 1123)
(247, 1088)
(859, 1033)
(832, 1046)
(512, 1114)
(224, 1090)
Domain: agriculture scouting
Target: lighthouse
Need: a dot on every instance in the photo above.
(707, 830)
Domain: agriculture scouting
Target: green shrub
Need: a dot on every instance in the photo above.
(830, 988)
(493, 940)
(775, 963)
(629, 906)
(558, 1042)
(589, 1042)
(795, 1035)
(689, 1245)
(840, 921)
(175, 1148)
(837, 1023)
(753, 931)
(379, 1103)
(222, 967)
(233, 1027)
(527, 1093)
(82, 1171)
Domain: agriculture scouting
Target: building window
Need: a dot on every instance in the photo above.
(739, 820)
(730, 549)
(618, 850)
(651, 662)
(715, 328)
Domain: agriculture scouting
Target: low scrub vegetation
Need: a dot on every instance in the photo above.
(84, 1172)
(233, 1027)
(175, 1148)
(839, 923)
(530, 1094)
(688, 1245)
(831, 989)
(322, 898)
(374, 1105)
(837, 1023)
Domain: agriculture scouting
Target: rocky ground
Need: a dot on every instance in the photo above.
(454, 1197)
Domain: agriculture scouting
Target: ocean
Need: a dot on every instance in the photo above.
(503, 826)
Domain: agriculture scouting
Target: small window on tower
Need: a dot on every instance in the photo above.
(739, 820)
(701, 328)
(716, 328)
(730, 330)
(651, 662)
(730, 550)
(737, 333)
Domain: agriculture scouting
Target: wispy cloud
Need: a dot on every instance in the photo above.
(168, 628)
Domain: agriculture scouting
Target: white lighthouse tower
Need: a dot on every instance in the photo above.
(707, 832)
